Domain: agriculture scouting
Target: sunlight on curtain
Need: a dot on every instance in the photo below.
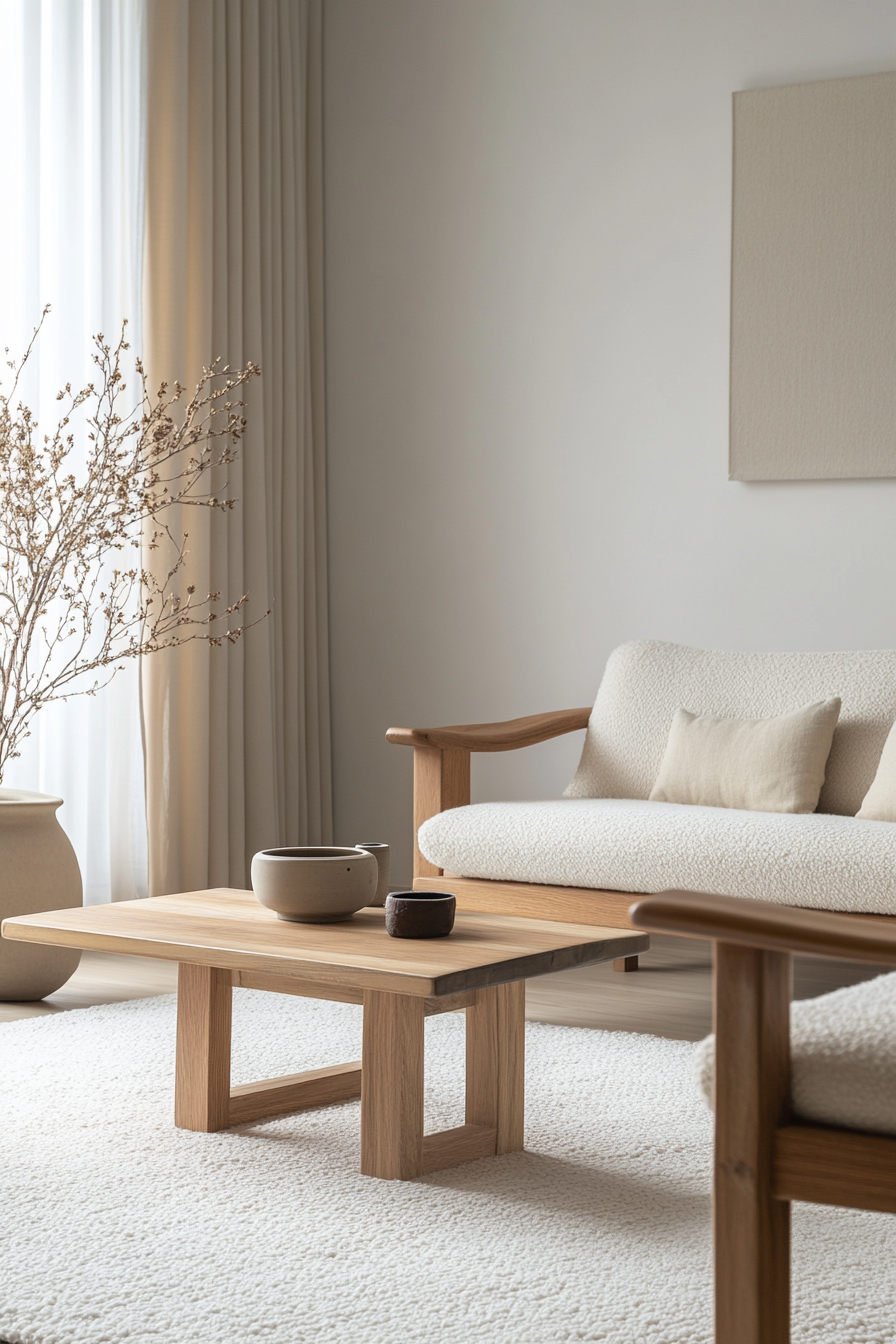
(71, 235)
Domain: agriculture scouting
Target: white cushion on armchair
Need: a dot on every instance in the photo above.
(843, 1057)
(823, 861)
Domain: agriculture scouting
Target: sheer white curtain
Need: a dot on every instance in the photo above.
(71, 235)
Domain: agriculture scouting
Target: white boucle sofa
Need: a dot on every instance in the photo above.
(582, 856)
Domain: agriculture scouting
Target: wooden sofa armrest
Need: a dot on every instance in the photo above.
(442, 760)
(770, 927)
(506, 736)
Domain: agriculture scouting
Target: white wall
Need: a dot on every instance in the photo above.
(528, 233)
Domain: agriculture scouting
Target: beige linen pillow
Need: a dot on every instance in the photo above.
(761, 765)
(879, 803)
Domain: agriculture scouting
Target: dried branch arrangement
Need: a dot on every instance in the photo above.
(76, 598)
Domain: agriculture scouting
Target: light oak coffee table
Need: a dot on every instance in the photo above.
(223, 938)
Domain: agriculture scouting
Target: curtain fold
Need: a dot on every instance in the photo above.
(71, 236)
(237, 738)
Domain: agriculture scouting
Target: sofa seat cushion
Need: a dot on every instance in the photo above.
(819, 860)
(843, 1058)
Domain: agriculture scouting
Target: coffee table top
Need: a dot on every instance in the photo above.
(231, 929)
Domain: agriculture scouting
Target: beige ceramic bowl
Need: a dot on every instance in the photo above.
(314, 884)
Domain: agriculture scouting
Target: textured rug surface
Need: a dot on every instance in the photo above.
(118, 1227)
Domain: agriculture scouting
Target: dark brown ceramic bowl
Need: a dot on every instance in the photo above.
(420, 914)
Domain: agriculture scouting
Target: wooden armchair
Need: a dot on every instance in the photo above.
(763, 1159)
(442, 781)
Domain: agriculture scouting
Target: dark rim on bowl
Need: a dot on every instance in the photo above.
(312, 852)
(421, 896)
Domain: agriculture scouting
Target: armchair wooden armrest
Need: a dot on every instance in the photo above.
(764, 1158)
(774, 928)
(442, 760)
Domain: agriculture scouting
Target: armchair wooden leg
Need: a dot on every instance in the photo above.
(751, 1227)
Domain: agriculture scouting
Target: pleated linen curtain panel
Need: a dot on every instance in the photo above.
(237, 738)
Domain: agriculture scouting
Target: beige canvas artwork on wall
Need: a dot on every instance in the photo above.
(813, 292)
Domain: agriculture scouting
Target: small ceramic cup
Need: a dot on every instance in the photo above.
(420, 914)
(380, 851)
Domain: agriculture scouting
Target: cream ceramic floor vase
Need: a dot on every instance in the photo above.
(38, 872)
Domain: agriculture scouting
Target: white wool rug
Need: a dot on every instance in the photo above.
(118, 1227)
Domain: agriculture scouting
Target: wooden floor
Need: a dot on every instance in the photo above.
(669, 996)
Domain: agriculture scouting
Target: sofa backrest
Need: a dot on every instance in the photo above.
(646, 682)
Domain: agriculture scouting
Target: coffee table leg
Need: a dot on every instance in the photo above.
(202, 1080)
(496, 1048)
(392, 1086)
